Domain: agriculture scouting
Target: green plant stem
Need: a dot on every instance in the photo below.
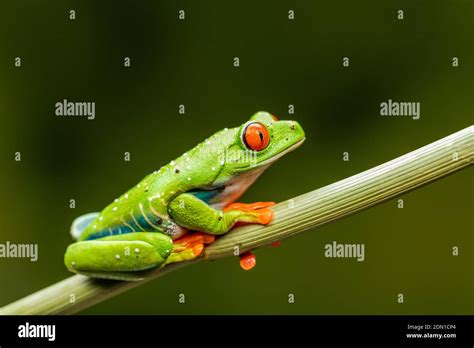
(296, 215)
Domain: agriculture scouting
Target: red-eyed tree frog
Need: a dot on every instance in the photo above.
(173, 212)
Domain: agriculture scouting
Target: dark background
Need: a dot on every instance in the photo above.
(282, 62)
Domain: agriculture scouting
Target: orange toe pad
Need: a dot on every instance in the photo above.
(264, 216)
(248, 206)
(197, 249)
(193, 241)
(248, 261)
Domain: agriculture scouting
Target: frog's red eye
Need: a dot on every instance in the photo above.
(256, 136)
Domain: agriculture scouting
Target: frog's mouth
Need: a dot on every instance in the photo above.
(270, 160)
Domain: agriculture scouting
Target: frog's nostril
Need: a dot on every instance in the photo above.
(292, 126)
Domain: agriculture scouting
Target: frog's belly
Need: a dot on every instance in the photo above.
(235, 188)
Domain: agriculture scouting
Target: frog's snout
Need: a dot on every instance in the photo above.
(295, 130)
(295, 126)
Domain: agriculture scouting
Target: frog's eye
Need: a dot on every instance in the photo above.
(255, 136)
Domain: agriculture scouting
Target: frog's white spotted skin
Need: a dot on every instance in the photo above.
(152, 205)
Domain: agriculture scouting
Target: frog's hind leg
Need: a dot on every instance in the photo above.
(129, 252)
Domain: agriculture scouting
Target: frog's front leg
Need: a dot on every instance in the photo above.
(120, 253)
(189, 211)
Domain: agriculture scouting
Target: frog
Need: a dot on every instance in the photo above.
(175, 211)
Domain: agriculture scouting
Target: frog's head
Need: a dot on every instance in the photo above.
(258, 143)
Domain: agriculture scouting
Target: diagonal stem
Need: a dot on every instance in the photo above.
(296, 215)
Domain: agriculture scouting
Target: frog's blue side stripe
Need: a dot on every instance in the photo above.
(144, 224)
(134, 223)
(121, 229)
(110, 232)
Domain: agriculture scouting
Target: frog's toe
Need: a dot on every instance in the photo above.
(193, 239)
(197, 249)
(189, 246)
(264, 216)
(194, 242)
(246, 207)
(248, 261)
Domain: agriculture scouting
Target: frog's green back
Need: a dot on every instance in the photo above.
(144, 206)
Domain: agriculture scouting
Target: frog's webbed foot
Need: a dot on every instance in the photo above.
(259, 210)
(189, 246)
(248, 206)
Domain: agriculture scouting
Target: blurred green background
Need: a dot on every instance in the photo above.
(282, 62)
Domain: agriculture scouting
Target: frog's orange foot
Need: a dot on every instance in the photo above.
(249, 206)
(264, 216)
(259, 210)
(248, 261)
(194, 241)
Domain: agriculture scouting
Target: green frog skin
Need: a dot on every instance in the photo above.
(174, 211)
